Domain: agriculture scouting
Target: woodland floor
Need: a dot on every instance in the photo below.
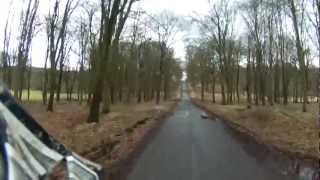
(112, 140)
(285, 128)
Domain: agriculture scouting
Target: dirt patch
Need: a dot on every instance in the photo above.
(111, 142)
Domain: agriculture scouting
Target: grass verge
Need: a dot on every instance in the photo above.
(283, 128)
(115, 141)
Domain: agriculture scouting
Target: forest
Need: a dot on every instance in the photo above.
(102, 76)
(256, 65)
(112, 66)
(272, 61)
(275, 61)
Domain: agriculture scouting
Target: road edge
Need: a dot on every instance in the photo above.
(121, 169)
(297, 158)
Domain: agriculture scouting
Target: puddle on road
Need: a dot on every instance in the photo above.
(287, 165)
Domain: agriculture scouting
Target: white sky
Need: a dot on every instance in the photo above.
(183, 8)
(178, 7)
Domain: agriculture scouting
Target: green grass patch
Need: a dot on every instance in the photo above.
(36, 95)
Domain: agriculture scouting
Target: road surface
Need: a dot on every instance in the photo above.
(190, 148)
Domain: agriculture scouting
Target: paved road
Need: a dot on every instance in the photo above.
(190, 148)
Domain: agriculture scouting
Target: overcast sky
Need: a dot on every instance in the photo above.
(179, 7)
(183, 8)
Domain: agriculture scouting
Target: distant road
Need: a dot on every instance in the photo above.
(190, 148)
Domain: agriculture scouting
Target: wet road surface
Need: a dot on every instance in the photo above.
(190, 148)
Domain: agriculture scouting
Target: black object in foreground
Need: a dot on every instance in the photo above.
(27, 151)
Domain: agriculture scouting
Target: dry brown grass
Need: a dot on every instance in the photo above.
(284, 127)
(114, 138)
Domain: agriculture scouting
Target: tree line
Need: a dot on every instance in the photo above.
(123, 54)
(271, 62)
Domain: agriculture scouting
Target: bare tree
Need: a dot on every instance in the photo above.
(316, 24)
(83, 52)
(123, 14)
(7, 59)
(300, 51)
(278, 65)
(249, 74)
(110, 12)
(221, 16)
(65, 54)
(92, 49)
(27, 28)
(29, 72)
(165, 26)
(255, 21)
(57, 39)
(46, 76)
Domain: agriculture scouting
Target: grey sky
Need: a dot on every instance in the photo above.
(179, 7)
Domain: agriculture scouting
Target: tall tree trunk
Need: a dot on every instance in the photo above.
(296, 90)
(166, 84)
(106, 101)
(202, 90)
(319, 72)
(112, 92)
(213, 88)
(59, 82)
(276, 84)
(20, 77)
(305, 88)
(248, 86)
(301, 55)
(73, 81)
(21, 82)
(25, 40)
(103, 58)
(97, 94)
(255, 81)
(52, 83)
(284, 84)
(165, 89)
(160, 73)
(249, 74)
(318, 33)
(238, 82)
(91, 76)
(140, 84)
(260, 69)
(29, 82)
(223, 102)
(45, 82)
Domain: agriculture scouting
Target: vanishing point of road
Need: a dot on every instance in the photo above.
(190, 148)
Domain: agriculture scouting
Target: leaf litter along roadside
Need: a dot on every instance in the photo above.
(285, 128)
(114, 139)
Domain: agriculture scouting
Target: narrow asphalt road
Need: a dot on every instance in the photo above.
(190, 148)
